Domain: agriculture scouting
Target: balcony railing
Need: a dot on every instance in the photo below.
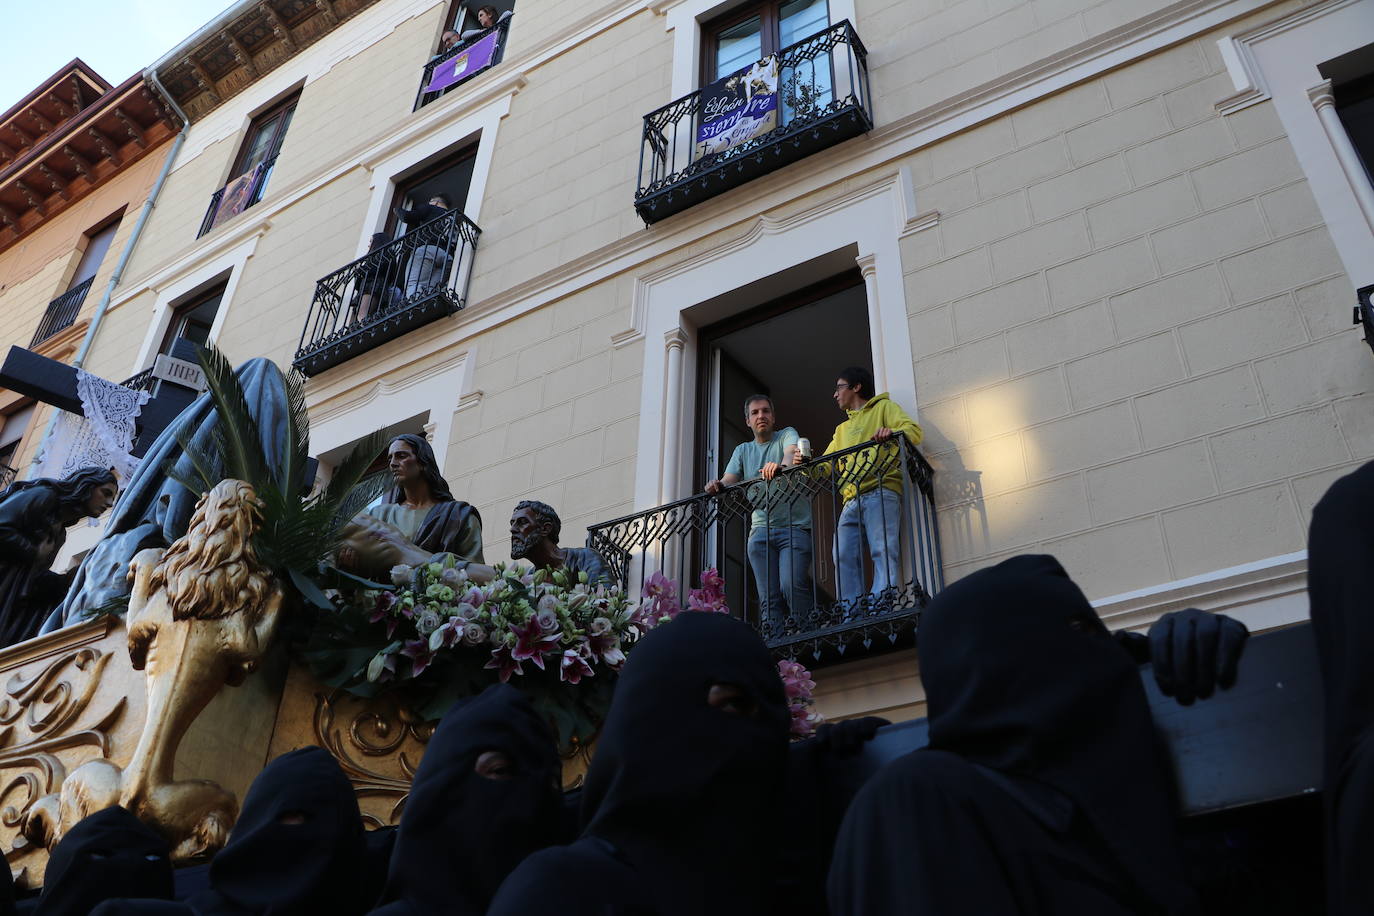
(832, 598)
(7, 475)
(822, 98)
(445, 72)
(143, 381)
(418, 278)
(61, 312)
(237, 196)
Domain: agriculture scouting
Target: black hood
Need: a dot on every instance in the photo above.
(1022, 677)
(462, 833)
(106, 855)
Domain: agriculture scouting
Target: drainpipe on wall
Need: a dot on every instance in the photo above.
(127, 252)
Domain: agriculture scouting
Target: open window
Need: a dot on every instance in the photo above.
(193, 319)
(449, 177)
(473, 40)
(13, 426)
(789, 349)
(62, 311)
(752, 32)
(253, 165)
(1352, 84)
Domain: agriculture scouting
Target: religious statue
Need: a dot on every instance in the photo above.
(34, 517)
(534, 530)
(201, 615)
(155, 510)
(416, 520)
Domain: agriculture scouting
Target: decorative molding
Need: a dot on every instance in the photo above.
(1237, 52)
(1279, 582)
(921, 221)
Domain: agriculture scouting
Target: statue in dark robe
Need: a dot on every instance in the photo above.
(34, 517)
(534, 530)
(417, 520)
(155, 509)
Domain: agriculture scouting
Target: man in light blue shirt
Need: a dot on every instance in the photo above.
(780, 524)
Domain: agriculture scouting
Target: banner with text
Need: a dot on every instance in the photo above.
(478, 56)
(737, 108)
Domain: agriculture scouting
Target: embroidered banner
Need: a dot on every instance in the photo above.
(237, 196)
(737, 108)
(478, 56)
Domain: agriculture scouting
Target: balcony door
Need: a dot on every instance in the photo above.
(450, 176)
(791, 350)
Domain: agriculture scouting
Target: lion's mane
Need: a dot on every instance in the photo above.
(212, 572)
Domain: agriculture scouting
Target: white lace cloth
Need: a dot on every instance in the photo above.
(101, 438)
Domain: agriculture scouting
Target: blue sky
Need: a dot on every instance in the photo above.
(118, 38)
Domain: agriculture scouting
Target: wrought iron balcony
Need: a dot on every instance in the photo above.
(7, 475)
(61, 312)
(446, 71)
(143, 381)
(237, 196)
(837, 601)
(822, 98)
(418, 278)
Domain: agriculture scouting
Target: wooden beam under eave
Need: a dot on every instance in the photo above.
(25, 141)
(57, 102)
(326, 8)
(78, 95)
(9, 217)
(109, 148)
(163, 112)
(83, 165)
(241, 54)
(59, 184)
(203, 78)
(278, 27)
(43, 123)
(31, 196)
(135, 131)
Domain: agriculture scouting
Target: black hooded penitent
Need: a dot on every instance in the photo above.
(297, 846)
(683, 799)
(1340, 584)
(462, 832)
(108, 854)
(1043, 790)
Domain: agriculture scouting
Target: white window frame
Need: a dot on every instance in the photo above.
(684, 21)
(1277, 62)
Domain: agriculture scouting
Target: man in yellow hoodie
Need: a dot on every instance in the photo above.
(870, 483)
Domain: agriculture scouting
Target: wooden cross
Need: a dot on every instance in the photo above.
(54, 383)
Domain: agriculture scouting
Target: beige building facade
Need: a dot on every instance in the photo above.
(78, 158)
(1105, 253)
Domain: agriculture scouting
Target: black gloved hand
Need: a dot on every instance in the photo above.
(847, 737)
(1192, 652)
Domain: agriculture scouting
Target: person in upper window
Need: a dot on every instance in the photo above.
(780, 525)
(446, 43)
(870, 483)
(487, 16)
(429, 261)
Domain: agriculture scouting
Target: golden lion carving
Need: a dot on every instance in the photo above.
(201, 614)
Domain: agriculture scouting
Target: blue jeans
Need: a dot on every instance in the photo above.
(781, 557)
(874, 518)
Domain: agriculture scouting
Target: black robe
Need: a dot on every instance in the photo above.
(109, 854)
(27, 517)
(1340, 585)
(1044, 789)
(463, 833)
(683, 801)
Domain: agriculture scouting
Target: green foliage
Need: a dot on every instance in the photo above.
(301, 529)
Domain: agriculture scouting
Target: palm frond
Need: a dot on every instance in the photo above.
(243, 457)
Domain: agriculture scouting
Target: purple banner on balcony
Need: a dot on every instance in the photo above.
(737, 108)
(237, 196)
(459, 67)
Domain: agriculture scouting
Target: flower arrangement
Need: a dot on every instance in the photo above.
(438, 636)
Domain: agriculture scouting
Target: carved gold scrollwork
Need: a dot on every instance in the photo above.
(37, 712)
(378, 730)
